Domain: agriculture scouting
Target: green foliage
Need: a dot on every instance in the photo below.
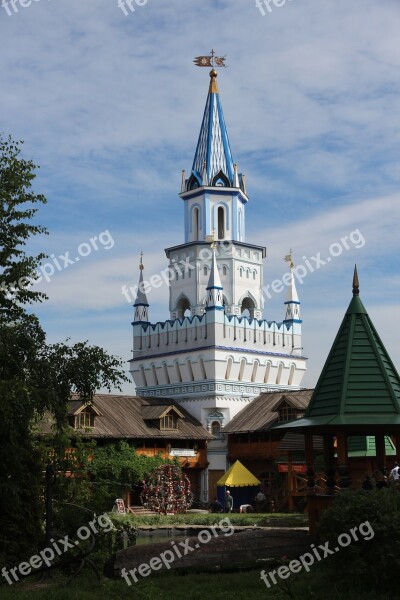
(17, 200)
(34, 377)
(373, 563)
(90, 477)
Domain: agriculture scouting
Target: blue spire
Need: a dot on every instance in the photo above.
(213, 152)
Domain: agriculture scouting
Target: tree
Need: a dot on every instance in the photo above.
(17, 227)
(34, 377)
(167, 490)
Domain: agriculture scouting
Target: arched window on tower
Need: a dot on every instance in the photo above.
(205, 271)
(182, 308)
(196, 224)
(221, 223)
(224, 270)
(248, 307)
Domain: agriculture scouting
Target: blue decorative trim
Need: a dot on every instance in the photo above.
(214, 287)
(201, 348)
(225, 141)
(292, 302)
(292, 321)
(140, 304)
(215, 308)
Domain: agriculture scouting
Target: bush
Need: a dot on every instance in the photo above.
(372, 563)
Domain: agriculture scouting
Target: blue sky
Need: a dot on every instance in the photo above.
(110, 106)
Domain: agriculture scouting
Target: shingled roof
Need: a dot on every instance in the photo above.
(127, 417)
(262, 413)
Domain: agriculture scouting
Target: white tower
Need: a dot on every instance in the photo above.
(216, 353)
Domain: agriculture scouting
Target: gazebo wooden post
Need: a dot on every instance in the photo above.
(329, 457)
(343, 461)
(309, 451)
(290, 482)
(380, 452)
(397, 444)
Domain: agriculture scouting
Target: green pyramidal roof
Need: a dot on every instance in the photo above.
(359, 384)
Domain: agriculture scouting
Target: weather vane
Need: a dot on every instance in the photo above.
(210, 61)
(289, 258)
(141, 266)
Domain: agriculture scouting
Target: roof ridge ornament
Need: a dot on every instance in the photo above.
(289, 259)
(210, 61)
(356, 285)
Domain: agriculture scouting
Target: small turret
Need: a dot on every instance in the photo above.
(141, 304)
(292, 302)
(214, 288)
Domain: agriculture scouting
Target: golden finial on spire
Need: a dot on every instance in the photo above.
(141, 266)
(210, 239)
(356, 285)
(289, 258)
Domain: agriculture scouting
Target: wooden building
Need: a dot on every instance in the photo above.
(151, 425)
(278, 463)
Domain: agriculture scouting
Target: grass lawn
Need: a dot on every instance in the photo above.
(254, 519)
(227, 586)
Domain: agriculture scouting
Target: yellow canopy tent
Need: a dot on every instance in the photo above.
(238, 476)
(244, 483)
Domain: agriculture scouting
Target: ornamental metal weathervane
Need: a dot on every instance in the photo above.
(210, 61)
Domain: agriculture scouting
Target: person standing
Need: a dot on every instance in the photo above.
(228, 502)
(394, 473)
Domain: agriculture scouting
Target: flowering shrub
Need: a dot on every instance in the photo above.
(167, 490)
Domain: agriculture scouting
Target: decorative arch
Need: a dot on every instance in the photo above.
(193, 182)
(291, 373)
(229, 367)
(221, 216)
(143, 373)
(178, 372)
(220, 180)
(214, 418)
(240, 219)
(241, 369)
(279, 374)
(190, 369)
(154, 373)
(267, 371)
(165, 371)
(195, 221)
(248, 303)
(182, 306)
(256, 364)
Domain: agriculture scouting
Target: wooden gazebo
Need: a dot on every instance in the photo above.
(357, 394)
